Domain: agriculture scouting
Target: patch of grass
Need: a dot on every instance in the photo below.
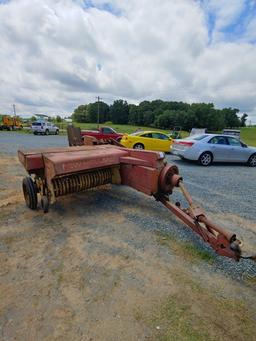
(138, 314)
(196, 313)
(248, 135)
(189, 252)
(176, 322)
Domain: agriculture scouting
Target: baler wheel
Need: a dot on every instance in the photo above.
(30, 192)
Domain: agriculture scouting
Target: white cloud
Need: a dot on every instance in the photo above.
(56, 55)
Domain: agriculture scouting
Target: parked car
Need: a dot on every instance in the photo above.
(45, 128)
(208, 148)
(103, 133)
(233, 132)
(152, 140)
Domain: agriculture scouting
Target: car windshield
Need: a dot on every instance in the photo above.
(108, 131)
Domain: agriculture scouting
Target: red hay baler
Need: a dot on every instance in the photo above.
(60, 171)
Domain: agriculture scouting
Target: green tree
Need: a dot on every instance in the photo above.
(201, 111)
(58, 119)
(79, 114)
(243, 119)
(133, 114)
(231, 118)
(119, 112)
(92, 112)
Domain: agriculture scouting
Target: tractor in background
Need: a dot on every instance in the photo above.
(11, 123)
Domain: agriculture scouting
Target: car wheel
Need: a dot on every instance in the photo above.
(35, 132)
(138, 146)
(252, 161)
(47, 132)
(30, 192)
(205, 159)
(57, 132)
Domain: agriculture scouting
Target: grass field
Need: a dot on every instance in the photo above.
(248, 134)
(124, 128)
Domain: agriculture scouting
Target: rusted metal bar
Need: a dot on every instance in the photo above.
(223, 242)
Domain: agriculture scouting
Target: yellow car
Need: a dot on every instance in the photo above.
(152, 140)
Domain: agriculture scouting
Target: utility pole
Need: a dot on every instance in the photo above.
(98, 107)
(14, 110)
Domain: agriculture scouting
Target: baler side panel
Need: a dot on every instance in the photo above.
(143, 179)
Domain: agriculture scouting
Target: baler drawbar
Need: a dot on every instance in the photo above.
(60, 171)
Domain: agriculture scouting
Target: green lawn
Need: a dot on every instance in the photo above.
(248, 135)
(123, 128)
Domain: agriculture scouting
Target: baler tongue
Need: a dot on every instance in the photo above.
(222, 241)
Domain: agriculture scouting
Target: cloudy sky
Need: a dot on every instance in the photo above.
(57, 54)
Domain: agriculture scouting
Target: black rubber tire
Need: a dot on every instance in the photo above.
(139, 146)
(35, 132)
(57, 132)
(30, 192)
(205, 159)
(45, 204)
(47, 132)
(252, 160)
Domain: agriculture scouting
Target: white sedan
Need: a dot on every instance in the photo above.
(208, 148)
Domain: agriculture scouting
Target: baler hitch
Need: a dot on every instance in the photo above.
(223, 242)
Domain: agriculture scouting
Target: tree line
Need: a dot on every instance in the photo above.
(161, 114)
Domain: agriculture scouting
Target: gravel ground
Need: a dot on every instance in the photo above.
(11, 142)
(223, 190)
(94, 267)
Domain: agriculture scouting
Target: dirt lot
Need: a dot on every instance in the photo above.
(113, 264)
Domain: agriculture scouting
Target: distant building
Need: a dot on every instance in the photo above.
(68, 120)
(197, 131)
(41, 116)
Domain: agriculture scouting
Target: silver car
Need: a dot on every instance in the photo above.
(208, 148)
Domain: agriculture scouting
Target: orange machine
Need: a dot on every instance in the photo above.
(10, 123)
